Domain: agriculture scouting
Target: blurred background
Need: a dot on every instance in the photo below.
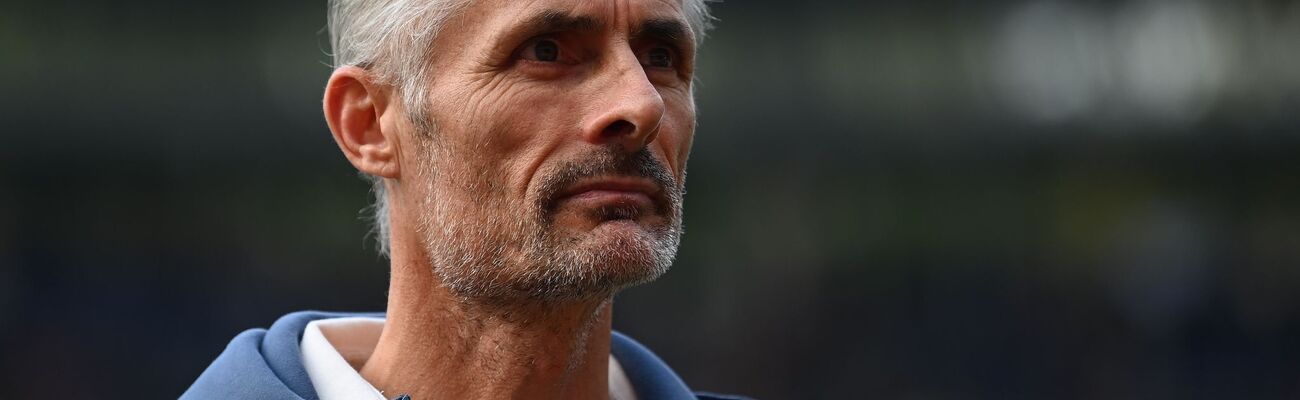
(934, 199)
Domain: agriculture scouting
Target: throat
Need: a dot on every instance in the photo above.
(451, 349)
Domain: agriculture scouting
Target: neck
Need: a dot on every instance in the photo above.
(437, 346)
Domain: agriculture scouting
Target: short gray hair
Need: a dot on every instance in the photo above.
(391, 39)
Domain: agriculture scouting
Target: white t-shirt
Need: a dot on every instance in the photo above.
(334, 349)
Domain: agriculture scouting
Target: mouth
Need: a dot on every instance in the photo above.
(612, 191)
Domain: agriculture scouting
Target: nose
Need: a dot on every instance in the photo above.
(628, 108)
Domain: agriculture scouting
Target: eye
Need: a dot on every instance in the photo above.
(542, 50)
(658, 57)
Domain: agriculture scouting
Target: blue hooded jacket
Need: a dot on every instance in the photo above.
(267, 364)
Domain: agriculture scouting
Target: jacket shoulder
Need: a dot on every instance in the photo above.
(240, 373)
(263, 363)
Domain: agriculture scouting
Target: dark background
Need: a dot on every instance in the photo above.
(929, 200)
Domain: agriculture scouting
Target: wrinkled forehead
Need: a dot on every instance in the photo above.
(614, 16)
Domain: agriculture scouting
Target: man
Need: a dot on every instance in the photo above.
(528, 161)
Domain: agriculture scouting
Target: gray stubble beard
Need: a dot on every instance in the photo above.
(483, 251)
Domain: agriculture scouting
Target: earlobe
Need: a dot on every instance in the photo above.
(353, 108)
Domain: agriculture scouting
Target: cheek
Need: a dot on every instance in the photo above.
(676, 137)
(504, 132)
(539, 122)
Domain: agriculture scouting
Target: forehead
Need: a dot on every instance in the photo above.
(610, 14)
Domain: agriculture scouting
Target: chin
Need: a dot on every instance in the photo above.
(615, 243)
(622, 253)
(574, 256)
(631, 247)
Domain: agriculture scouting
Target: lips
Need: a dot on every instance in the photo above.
(613, 189)
(605, 179)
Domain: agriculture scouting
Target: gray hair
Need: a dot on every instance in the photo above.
(391, 39)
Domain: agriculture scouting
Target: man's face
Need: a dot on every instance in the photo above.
(561, 130)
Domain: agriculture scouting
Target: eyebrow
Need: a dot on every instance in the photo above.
(560, 21)
(668, 30)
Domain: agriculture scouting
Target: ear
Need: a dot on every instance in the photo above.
(353, 107)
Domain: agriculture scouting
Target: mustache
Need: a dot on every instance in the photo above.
(610, 161)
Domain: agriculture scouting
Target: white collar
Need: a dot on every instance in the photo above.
(334, 349)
